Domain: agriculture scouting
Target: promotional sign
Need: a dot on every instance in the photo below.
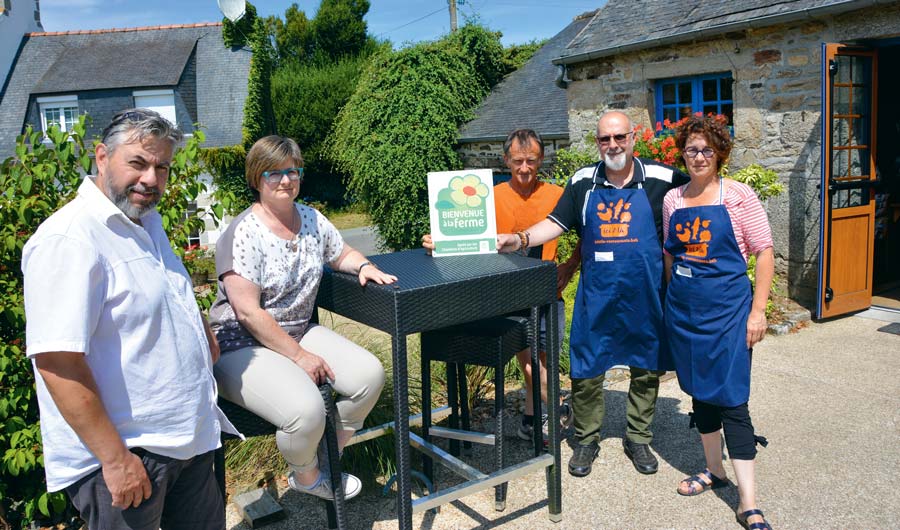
(462, 212)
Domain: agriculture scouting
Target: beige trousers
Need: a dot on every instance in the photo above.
(274, 388)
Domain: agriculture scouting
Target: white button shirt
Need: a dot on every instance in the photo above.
(97, 283)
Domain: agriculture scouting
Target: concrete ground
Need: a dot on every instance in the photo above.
(827, 398)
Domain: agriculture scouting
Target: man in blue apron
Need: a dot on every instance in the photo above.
(616, 207)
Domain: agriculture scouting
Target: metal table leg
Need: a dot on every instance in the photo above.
(534, 331)
(401, 432)
(554, 472)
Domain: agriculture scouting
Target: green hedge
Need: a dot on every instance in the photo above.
(402, 122)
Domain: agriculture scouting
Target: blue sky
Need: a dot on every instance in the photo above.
(400, 21)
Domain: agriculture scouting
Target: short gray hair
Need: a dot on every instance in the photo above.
(524, 137)
(136, 125)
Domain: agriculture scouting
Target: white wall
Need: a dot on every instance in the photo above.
(14, 23)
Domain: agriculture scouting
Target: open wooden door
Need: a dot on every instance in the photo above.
(848, 174)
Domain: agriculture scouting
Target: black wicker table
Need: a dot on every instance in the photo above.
(433, 293)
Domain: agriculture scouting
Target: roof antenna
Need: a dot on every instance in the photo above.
(233, 10)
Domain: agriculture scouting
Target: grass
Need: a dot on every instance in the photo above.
(256, 460)
(351, 216)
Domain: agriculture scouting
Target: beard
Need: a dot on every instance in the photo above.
(615, 162)
(130, 209)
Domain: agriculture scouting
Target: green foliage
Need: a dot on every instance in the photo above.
(40, 178)
(226, 166)
(307, 98)
(515, 56)
(402, 122)
(35, 182)
(258, 118)
(763, 181)
(568, 161)
(236, 34)
(294, 38)
(340, 30)
(337, 31)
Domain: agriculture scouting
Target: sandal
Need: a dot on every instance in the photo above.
(742, 520)
(713, 484)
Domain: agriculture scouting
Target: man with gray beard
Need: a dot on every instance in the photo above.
(616, 207)
(122, 355)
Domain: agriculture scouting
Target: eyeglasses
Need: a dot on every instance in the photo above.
(619, 138)
(692, 152)
(274, 176)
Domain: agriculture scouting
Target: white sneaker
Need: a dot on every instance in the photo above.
(322, 487)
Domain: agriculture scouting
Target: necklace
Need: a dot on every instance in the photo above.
(293, 243)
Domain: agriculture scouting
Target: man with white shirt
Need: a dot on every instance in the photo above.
(122, 355)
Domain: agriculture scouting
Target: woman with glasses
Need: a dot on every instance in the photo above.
(713, 316)
(269, 264)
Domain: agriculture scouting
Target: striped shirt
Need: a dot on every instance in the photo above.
(748, 219)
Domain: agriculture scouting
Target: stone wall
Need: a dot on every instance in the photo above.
(489, 155)
(777, 111)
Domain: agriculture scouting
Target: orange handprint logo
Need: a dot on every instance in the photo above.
(614, 218)
(695, 236)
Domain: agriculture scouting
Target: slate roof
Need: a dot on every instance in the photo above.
(626, 25)
(86, 67)
(75, 62)
(528, 97)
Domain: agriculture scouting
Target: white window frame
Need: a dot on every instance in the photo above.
(172, 117)
(56, 102)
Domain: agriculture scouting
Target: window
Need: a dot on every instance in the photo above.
(161, 101)
(61, 111)
(680, 97)
(194, 236)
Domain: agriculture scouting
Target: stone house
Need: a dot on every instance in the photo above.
(527, 98)
(184, 72)
(800, 81)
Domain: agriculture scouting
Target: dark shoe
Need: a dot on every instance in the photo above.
(698, 485)
(641, 456)
(742, 520)
(582, 459)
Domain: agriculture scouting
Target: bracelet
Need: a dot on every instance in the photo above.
(522, 240)
(361, 265)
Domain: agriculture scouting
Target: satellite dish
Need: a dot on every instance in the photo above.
(233, 10)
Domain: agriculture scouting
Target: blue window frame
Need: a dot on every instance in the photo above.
(680, 97)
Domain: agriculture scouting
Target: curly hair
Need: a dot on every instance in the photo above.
(713, 129)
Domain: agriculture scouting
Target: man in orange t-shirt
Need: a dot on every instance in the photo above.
(520, 203)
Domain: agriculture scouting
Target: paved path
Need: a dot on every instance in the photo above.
(363, 239)
(827, 398)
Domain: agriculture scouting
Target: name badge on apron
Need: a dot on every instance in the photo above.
(604, 256)
(681, 270)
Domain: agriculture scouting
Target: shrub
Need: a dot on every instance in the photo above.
(402, 122)
(763, 181)
(40, 178)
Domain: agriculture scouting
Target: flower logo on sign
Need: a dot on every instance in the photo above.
(461, 206)
(468, 191)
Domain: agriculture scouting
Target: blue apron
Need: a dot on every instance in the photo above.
(617, 319)
(707, 306)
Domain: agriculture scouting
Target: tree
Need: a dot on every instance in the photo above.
(340, 30)
(294, 38)
(402, 122)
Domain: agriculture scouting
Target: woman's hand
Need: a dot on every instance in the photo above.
(314, 366)
(756, 327)
(372, 273)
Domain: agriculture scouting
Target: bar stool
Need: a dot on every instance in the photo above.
(491, 342)
(250, 424)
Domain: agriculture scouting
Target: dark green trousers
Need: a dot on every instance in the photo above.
(589, 406)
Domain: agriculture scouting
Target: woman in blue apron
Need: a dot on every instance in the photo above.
(713, 316)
